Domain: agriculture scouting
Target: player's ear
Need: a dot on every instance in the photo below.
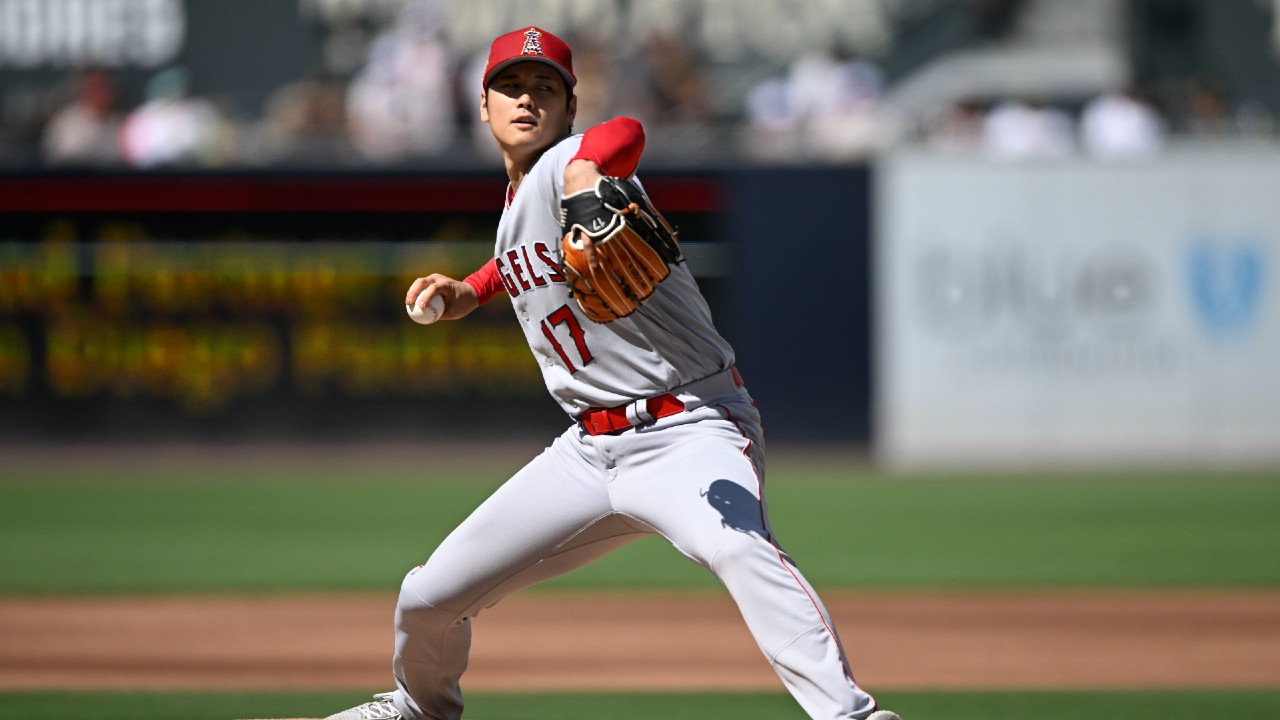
(484, 105)
(573, 110)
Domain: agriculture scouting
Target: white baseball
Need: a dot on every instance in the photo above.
(429, 314)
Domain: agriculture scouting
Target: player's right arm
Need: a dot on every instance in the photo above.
(461, 297)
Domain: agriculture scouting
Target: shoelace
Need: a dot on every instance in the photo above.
(381, 710)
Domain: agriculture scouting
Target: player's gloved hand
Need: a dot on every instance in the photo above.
(616, 246)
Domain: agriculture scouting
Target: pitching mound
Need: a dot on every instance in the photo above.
(561, 642)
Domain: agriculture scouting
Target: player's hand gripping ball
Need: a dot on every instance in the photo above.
(429, 314)
(632, 244)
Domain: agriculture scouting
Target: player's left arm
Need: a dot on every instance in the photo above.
(616, 246)
(614, 148)
(611, 148)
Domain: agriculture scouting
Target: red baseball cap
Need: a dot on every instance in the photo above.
(533, 44)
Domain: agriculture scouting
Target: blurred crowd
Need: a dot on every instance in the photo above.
(1123, 122)
(413, 99)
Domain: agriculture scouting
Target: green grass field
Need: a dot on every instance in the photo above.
(359, 524)
(1164, 705)
(249, 524)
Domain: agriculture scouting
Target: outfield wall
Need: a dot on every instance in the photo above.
(268, 307)
(1077, 312)
(944, 311)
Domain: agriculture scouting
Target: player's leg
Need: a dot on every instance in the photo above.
(700, 486)
(552, 516)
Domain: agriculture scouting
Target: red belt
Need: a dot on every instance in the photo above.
(602, 421)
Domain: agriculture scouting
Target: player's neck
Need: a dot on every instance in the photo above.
(516, 172)
(518, 166)
(520, 161)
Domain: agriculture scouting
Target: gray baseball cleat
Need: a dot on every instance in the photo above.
(884, 715)
(380, 709)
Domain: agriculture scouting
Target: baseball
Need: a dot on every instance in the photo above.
(429, 314)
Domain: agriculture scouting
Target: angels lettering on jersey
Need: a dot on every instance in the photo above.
(522, 270)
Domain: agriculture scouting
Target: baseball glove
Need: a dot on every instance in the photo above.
(633, 246)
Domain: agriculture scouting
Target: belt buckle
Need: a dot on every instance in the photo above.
(638, 412)
(606, 421)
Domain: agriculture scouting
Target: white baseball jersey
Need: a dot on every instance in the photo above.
(695, 477)
(670, 341)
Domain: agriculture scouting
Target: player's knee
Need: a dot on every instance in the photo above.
(419, 590)
(419, 611)
(742, 552)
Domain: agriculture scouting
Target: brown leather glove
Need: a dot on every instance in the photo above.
(617, 248)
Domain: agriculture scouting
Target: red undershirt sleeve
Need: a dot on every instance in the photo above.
(486, 281)
(615, 146)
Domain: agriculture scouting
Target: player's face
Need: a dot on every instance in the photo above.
(528, 108)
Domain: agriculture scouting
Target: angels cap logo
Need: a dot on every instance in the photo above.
(532, 42)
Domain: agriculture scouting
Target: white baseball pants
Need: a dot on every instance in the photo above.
(696, 479)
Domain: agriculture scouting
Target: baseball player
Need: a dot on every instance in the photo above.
(665, 437)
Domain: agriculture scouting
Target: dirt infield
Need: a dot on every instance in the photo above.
(660, 642)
